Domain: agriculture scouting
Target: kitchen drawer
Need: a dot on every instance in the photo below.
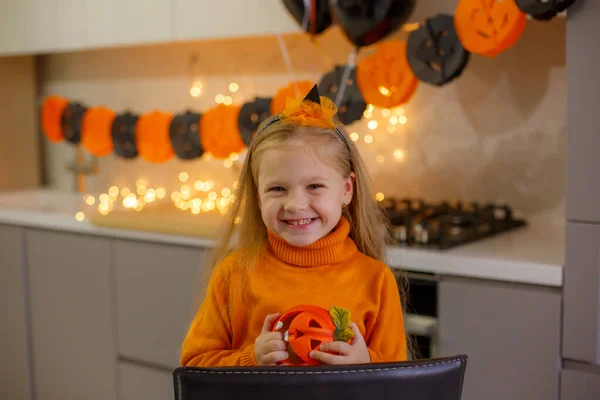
(144, 383)
(581, 328)
(579, 385)
(157, 286)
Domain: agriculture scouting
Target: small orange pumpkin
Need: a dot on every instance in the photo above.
(306, 327)
(52, 110)
(96, 135)
(488, 27)
(152, 137)
(219, 131)
(385, 78)
(293, 90)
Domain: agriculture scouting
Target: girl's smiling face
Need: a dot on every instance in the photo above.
(300, 196)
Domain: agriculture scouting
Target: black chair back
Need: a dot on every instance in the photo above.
(430, 379)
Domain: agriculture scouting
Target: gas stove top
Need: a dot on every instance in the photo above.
(443, 225)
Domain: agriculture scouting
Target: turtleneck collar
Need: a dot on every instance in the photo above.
(334, 248)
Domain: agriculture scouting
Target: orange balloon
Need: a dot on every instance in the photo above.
(385, 78)
(294, 90)
(52, 110)
(152, 137)
(488, 27)
(219, 131)
(96, 126)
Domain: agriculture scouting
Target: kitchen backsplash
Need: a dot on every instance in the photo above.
(496, 133)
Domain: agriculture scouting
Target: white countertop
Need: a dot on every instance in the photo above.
(533, 254)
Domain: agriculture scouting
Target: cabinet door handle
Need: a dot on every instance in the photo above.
(420, 325)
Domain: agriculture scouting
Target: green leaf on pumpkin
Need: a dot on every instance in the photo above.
(341, 320)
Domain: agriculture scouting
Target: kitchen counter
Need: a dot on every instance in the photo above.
(533, 254)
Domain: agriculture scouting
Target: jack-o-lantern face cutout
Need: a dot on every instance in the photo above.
(252, 114)
(434, 51)
(543, 10)
(71, 122)
(123, 135)
(185, 136)
(385, 79)
(306, 327)
(488, 27)
(352, 105)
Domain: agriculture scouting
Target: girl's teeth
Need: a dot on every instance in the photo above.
(300, 222)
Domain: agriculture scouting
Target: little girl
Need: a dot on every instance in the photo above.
(304, 229)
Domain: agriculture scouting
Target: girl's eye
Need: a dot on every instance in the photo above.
(315, 186)
(276, 189)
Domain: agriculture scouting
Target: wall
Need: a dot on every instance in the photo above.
(497, 133)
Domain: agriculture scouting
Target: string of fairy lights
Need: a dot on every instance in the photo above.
(207, 196)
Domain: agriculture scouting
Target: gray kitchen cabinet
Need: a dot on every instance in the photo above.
(579, 385)
(583, 141)
(581, 329)
(511, 334)
(143, 383)
(14, 353)
(72, 316)
(157, 286)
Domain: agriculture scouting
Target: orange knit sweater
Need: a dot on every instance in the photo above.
(329, 272)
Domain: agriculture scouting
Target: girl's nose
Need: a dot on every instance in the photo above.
(295, 203)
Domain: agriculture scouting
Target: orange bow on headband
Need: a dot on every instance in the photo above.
(312, 110)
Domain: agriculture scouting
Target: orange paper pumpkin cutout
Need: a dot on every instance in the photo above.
(52, 110)
(293, 90)
(96, 127)
(219, 131)
(306, 327)
(152, 137)
(488, 27)
(385, 78)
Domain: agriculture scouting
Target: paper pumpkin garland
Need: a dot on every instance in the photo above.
(220, 133)
(123, 135)
(152, 137)
(306, 327)
(293, 90)
(51, 116)
(352, 105)
(184, 133)
(488, 27)
(71, 122)
(435, 54)
(252, 114)
(543, 10)
(385, 78)
(96, 135)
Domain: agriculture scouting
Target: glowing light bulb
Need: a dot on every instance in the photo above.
(175, 196)
(367, 114)
(393, 120)
(125, 191)
(103, 198)
(391, 128)
(113, 191)
(184, 176)
(379, 196)
(370, 107)
(210, 184)
(354, 136)
(225, 192)
(141, 190)
(195, 91)
(384, 91)
(130, 201)
(90, 200)
(372, 125)
(403, 119)
(233, 87)
(385, 113)
(150, 195)
(380, 159)
(161, 192)
(212, 196)
(234, 156)
(368, 139)
(227, 100)
(141, 182)
(227, 163)
(398, 154)
(80, 216)
(219, 99)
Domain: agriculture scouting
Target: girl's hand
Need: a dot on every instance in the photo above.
(355, 353)
(269, 347)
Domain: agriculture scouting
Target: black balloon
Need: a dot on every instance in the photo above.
(123, 135)
(252, 114)
(434, 52)
(71, 122)
(352, 105)
(543, 10)
(184, 134)
(367, 22)
(302, 15)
